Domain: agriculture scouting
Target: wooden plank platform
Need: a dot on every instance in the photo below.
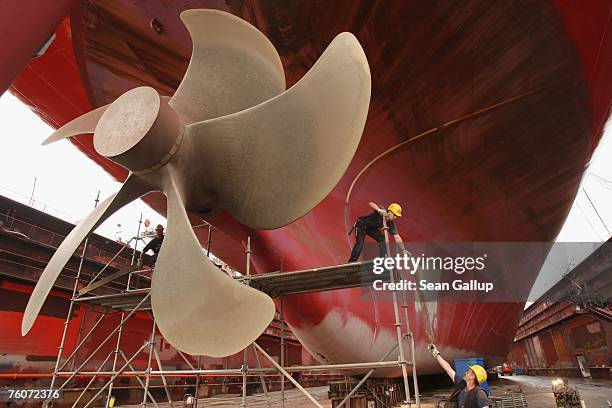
(334, 277)
(275, 284)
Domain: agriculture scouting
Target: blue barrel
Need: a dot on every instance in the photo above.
(463, 364)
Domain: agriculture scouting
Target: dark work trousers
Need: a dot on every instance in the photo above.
(150, 261)
(361, 231)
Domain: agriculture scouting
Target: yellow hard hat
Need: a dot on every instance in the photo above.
(481, 374)
(396, 209)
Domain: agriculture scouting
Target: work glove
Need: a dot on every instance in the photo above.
(382, 212)
(433, 350)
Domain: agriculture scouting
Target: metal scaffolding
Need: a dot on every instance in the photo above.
(280, 284)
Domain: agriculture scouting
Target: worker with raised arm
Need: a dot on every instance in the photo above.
(468, 393)
(154, 245)
(372, 225)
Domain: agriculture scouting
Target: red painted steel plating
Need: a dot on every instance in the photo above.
(530, 84)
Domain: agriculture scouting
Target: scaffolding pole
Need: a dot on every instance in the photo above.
(49, 403)
(398, 323)
(116, 352)
(163, 377)
(410, 336)
(136, 242)
(151, 344)
(282, 348)
(261, 377)
(139, 380)
(139, 299)
(120, 331)
(180, 353)
(244, 369)
(197, 384)
(238, 371)
(78, 370)
(121, 370)
(245, 361)
(92, 380)
(364, 379)
(287, 375)
(126, 245)
(89, 333)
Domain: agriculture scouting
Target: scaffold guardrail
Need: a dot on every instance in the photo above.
(278, 284)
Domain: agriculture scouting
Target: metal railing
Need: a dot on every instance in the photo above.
(53, 240)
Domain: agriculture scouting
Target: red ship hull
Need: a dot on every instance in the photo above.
(483, 118)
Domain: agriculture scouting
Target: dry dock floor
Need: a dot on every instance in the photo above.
(538, 391)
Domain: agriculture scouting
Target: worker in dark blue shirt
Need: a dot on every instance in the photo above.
(372, 225)
(468, 393)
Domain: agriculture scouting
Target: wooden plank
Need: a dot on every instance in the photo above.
(107, 279)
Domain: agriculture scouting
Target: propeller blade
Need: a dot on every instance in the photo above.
(233, 67)
(133, 188)
(272, 163)
(198, 308)
(83, 124)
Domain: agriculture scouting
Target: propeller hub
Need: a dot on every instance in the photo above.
(139, 131)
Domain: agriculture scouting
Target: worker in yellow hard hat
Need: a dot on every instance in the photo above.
(372, 225)
(467, 392)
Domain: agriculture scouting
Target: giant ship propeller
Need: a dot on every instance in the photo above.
(231, 138)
